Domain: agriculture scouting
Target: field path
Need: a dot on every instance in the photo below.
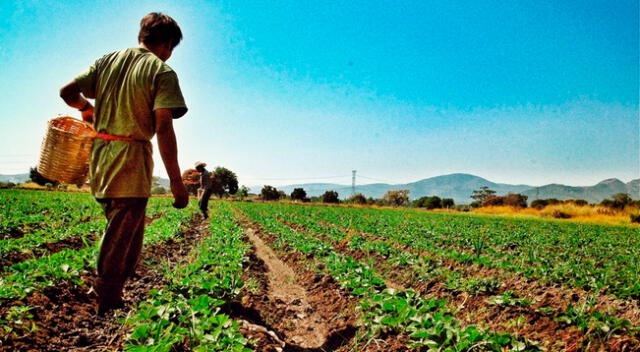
(308, 328)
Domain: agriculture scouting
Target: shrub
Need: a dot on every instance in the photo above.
(158, 190)
(560, 215)
(432, 202)
(580, 202)
(242, 193)
(36, 177)
(619, 201)
(515, 200)
(397, 197)
(539, 203)
(635, 218)
(330, 197)
(493, 201)
(298, 194)
(269, 193)
(357, 198)
(49, 186)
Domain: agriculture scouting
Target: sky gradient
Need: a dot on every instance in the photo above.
(286, 92)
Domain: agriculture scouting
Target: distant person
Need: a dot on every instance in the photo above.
(136, 96)
(206, 188)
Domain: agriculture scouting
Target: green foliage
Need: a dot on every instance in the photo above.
(186, 312)
(158, 190)
(298, 194)
(429, 202)
(473, 285)
(597, 323)
(618, 201)
(430, 325)
(509, 299)
(480, 195)
(448, 203)
(357, 198)
(242, 193)
(330, 197)
(225, 182)
(396, 198)
(269, 193)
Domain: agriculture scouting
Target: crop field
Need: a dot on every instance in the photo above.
(292, 277)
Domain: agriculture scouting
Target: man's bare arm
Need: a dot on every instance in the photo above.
(169, 153)
(70, 93)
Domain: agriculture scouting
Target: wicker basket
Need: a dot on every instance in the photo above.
(64, 154)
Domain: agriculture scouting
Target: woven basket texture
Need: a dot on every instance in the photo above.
(65, 149)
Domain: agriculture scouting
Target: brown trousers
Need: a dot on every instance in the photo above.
(121, 245)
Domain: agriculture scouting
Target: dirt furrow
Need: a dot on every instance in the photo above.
(305, 310)
(65, 315)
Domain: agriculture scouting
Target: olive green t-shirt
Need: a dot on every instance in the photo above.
(128, 86)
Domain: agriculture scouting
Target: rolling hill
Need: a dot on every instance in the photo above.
(460, 186)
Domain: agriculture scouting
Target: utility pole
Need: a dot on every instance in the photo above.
(353, 182)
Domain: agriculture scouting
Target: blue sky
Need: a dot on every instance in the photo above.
(286, 92)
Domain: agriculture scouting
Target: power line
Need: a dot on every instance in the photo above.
(376, 179)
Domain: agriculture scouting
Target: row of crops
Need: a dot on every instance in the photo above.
(438, 258)
(185, 311)
(424, 281)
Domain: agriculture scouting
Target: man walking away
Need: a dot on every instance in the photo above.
(136, 96)
(206, 185)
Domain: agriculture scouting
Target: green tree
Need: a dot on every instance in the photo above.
(480, 195)
(242, 193)
(330, 197)
(448, 203)
(225, 182)
(298, 194)
(433, 202)
(269, 193)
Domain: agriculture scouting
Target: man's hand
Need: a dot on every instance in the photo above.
(87, 115)
(169, 153)
(180, 194)
(70, 93)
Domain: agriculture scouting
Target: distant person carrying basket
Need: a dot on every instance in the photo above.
(206, 188)
(136, 96)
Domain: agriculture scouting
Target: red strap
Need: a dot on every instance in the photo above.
(110, 137)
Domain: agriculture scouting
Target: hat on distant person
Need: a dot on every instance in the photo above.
(200, 164)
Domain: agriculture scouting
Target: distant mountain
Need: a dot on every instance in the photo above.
(461, 186)
(456, 186)
(17, 178)
(592, 194)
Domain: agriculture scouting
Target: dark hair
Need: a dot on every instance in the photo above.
(157, 28)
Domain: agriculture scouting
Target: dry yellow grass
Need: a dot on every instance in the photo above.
(568, 211)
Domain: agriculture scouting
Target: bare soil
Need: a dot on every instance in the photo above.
(305, 310)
